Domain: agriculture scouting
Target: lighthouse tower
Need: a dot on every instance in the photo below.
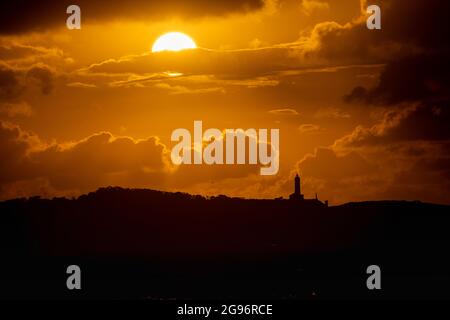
(297, 195)
(297, 184)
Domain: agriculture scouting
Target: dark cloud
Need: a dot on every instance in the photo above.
(412, 144)
(17, 51)
(233, 64)
(414, 86)
(407, 28)
(423, 176)
(44, 75)
(415, 44)
(437, 165)
(384, 173)
(425, 24)
(15, 81)
(416, 78)
(10, 86)
(21, 54)
(14, 144)
(421, 122)
(25, 16)
(425, 122)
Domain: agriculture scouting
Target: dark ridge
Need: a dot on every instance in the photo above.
(142, 243)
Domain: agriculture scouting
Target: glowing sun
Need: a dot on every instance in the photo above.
(173, 41)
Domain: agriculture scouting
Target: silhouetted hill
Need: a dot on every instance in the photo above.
(117, 221)
(146, 243)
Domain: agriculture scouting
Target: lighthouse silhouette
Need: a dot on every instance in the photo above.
(297, 184)
(299, 198)
(297, 195)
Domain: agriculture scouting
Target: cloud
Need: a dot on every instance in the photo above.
(202, 69)
(382, 174)
(331, 113)
(420, 24)
(410, 138)
(418, 122)
(13, 51)
(415, 78)
(27, 16)
(16, 109)
(14, 144)
(309, 7)
(223, 64)
(329, 46)
(178, 83)
(244, 67)
(10, 86)
(284, 112)
(344, 166)
(410, 144)
(309, 128)
(338, 177)
(403, 154)
(97, 159)
(43, 75)
(184, 90)
(14, 81)
(81, 85)
(100, 159)
(27, 164)
(407, 29)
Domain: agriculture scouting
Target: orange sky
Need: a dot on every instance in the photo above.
(362, 114)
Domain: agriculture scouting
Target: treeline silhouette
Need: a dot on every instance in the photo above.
(137, 243)
(142, 222)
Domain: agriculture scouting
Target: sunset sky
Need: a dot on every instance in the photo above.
(363, 114)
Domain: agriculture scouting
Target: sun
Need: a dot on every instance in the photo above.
(173, 41)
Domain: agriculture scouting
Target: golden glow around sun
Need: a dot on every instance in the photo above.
(173, 41)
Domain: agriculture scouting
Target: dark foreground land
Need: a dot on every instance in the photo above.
(152, 245)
